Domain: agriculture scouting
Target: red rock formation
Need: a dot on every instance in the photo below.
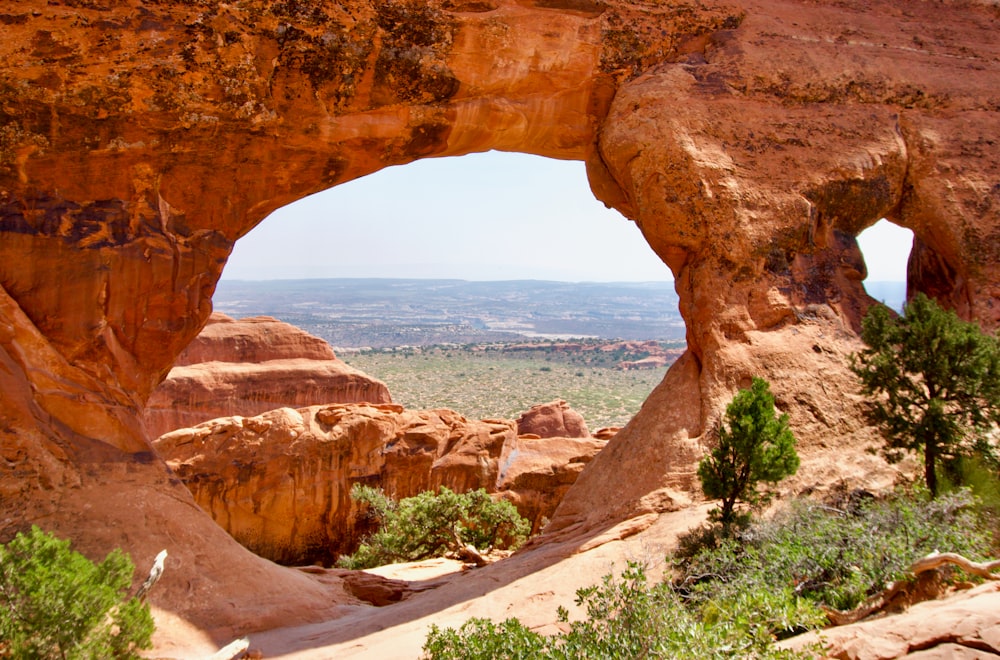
(750, 140)
(253, 340)
(651, 362)
(248, 367)
(535, 473)
(280, 482)
(552, 420)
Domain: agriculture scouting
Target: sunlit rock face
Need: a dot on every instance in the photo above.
(280, 482)
(750, 141)
(251, 366)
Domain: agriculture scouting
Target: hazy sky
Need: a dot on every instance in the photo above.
(493, 216)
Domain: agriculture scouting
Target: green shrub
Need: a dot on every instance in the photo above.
(754, 445)
(833, 557)
(732, 596)
(434, 524)
(626, 618)
(56, 603)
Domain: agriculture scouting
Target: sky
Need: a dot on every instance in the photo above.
(491, 216)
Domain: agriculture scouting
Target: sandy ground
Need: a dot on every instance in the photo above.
(530, 585)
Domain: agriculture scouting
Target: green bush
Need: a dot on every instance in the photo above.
(626, 618)
(434, 524)
(754, 445)
(829, 556)
(56, 603)
(731, 597)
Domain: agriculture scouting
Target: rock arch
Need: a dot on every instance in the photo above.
(751, 140)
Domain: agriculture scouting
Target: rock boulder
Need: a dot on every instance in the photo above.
(552, 420)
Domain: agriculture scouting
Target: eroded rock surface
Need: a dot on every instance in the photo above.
(750, 140)
(280, 482)
(554, 419)
(251, 366)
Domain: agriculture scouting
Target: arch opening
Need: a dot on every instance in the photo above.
(426, 235)
(482, 216)
(886, 247)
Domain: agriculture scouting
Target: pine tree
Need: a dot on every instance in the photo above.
(754, 445)
(934, 380)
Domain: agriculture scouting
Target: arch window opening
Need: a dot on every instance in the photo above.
(886, 248)
(485, 283)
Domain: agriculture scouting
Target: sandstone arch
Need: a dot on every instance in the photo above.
(751, 140)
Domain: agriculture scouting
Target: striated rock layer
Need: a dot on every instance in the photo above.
(280, 482)
(750, 140)
(248, 367)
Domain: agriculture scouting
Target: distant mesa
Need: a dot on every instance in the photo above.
(251, 366)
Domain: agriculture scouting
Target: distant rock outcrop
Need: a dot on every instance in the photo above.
(554, 419)
(280, 482)
(250, 366)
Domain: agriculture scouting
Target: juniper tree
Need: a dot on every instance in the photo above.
(934, 380)
(56, 603)
(754, 445)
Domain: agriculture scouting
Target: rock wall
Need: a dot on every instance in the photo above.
(750, 140)
(248, 367)
(280, 483)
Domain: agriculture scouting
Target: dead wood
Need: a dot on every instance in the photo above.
(233, 649)
(935, 559)
(903, 593)
(154, 575)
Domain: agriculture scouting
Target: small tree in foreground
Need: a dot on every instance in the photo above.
(434, 524)
(754, 445)
(56, 603)
(935, 383)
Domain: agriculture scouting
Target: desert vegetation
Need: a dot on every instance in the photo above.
(737, 584)
(753, 445)
(933, 382)
(733, 593)
(484, 382)
(56, 603)
(433, 524)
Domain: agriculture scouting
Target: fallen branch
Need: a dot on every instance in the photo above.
(909, 592)
(466, 553)
(935, 559)
(231, 650)
(873, 605)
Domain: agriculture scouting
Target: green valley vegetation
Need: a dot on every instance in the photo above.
(56, 603)
(433, 524)
(733, 595)
(504, 380)
(934, 386)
